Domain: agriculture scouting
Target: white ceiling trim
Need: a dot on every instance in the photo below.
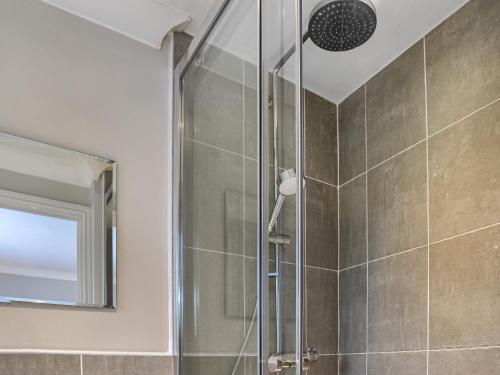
(146, 21)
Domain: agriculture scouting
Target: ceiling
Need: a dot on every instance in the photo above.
(332, 75)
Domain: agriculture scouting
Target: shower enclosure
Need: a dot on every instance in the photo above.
(323, 222)
(240, 272)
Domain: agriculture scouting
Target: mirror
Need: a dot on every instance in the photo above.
(57, 225)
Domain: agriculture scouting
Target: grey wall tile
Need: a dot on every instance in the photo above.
(320, 117)
(354, 364)
(352, 144)
(352, 310)
(213, 302)
(397, 364)
(395, 106)
(464, 172)
(397, 302)
(397, 204)
(464, 290)
(321, 225)
(47, 364)
(465, 362)
(209, 365)
(321, 310)
(463, 72)
(326, 365)
(211, 193)
(215, 119)
(352, 214)
(8, 364)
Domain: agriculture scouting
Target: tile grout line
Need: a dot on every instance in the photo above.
(428, 202)
(465, 117)
(321, 181)
(417, 143)
(497, 347)
(465, 233)
(81, 364)
(422, 246)
(200, 249)
(366, 231)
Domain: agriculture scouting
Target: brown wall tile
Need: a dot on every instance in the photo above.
(8, 364)
(320, 138)
(214, 173)
(397, 204)
(463, 70)
(47, 364)
(352, 144)
(321, 225)
(352, 214)
(352, 310)
(326, 365)
(321, 310)
(126, 365)
(465, 362)
(395, 106)
(397, 302)
(397, 364)
(464, 172)
(464, 290)
(209, 119)
(354, 364)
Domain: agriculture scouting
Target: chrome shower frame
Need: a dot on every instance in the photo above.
(263, 217)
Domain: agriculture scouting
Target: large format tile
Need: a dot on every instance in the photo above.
(397, 364)
(465, 362)
(251, 113)
(354, 364)
(397, 302)
(463, 70)
(352, 216)
(126, 365)
(320, 138)
(352, 144)
(321, 225)
(215, 119)
(47, 364)
(395, 106)
(352, 310)
(464, 172)
(397, 204)
(211, 365)
(326, 365)
(464, 290)
(214, 302)
(212, 198)
(8, 364)
(321, 310)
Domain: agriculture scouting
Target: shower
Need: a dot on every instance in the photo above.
(341, 25)
(287, 187)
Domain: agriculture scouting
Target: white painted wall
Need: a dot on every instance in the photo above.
(66, 81)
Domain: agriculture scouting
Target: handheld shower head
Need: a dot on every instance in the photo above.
(288, 184)
(287, 187)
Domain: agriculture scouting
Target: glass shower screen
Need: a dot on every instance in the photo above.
(240, 136)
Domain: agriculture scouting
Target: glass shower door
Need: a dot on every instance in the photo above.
(238, 285)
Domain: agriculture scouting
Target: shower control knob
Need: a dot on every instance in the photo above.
(278, 362)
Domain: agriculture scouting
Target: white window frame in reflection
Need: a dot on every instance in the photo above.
(62, 210)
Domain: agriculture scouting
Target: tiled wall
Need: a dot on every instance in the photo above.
(59, 364)
(419, 206)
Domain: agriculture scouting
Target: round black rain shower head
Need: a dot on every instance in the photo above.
(341, 25)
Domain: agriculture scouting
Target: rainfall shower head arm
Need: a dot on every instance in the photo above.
(289, 54)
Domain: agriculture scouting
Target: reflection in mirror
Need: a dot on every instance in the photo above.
(57, 225)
